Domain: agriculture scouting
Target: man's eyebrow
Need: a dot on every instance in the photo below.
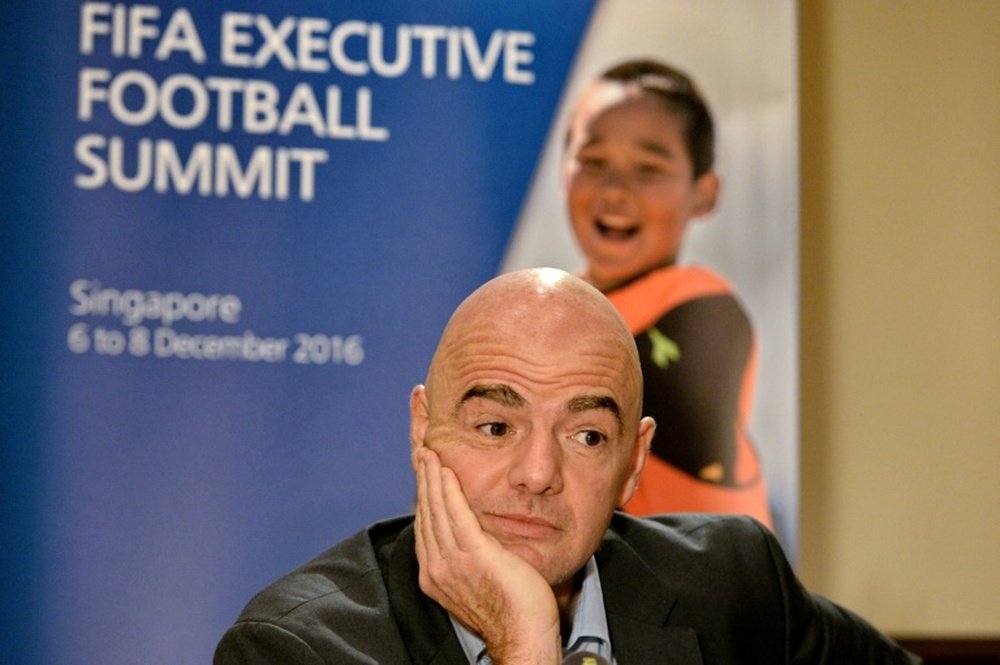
(588, 402)
(497, 392)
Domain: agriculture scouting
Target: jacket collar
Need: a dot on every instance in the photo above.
(424, 624)
(638, 606)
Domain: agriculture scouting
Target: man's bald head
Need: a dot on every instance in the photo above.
(538, 313)
(533, 401)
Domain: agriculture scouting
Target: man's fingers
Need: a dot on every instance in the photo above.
(437, 523)
(465, 527)
(426, 543)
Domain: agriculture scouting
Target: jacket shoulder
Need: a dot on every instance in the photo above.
(348, 572)
(696, 534)
(334, 606)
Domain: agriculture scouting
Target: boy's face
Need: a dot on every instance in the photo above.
(629, 183)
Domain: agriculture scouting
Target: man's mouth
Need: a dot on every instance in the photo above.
(516, 526)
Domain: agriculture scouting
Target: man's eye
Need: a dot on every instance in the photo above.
(494, 429)
(590, 437)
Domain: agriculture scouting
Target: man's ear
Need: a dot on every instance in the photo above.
(419, 417)
(706, 190)
(640, 450)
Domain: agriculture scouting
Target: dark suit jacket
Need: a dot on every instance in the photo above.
(677, 589)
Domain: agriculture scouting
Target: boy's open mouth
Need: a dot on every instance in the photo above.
(616, 232)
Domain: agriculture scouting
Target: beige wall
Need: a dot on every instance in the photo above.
(900, 120)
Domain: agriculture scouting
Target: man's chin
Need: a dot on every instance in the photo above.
(530, 553)
(527, 552)
(537, 559)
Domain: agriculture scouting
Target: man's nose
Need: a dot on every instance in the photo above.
(537, 467)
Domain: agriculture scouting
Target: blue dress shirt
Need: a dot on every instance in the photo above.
(589, 631)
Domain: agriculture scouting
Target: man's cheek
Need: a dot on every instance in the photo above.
(438, 436)
(452, 441)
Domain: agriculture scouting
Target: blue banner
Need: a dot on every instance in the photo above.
(232, 232)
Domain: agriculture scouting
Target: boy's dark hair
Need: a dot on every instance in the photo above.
(682, 98)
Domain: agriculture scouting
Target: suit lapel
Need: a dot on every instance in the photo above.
(638, 607)
(424, 624)
(637, 603)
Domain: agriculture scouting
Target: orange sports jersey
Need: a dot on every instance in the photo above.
(698, 357)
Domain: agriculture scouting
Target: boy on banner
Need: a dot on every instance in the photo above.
(638, 170)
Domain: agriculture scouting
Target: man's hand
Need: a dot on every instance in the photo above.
(495, 593)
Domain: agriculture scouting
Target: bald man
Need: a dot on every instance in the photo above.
(525, 438)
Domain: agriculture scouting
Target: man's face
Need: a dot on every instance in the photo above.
(540, 426)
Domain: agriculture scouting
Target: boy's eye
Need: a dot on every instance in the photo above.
(649, 169)
(494, 429)
(590, 438)
(590, 163)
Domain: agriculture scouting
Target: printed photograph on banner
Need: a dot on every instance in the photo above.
(669, 181)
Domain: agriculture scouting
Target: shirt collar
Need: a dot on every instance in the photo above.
(589, 631)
